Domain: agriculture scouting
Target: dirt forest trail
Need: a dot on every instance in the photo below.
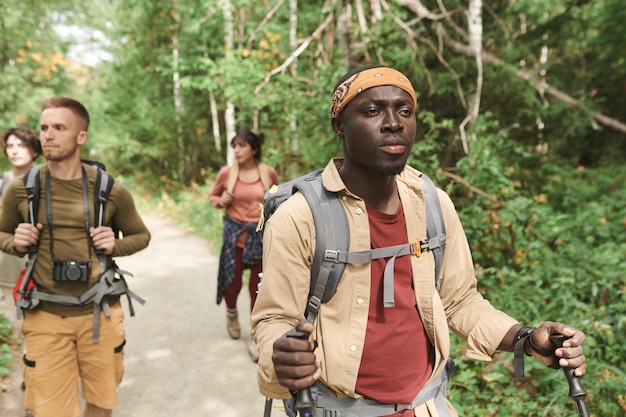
(179, 359)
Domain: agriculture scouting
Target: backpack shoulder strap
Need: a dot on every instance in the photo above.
(333, 240)
(2, 184)
(102, 189)
(330, 259)
(331, 235)
(32, 184)
(264, 174)
(103, 186)
(435, 227)
(233, 173)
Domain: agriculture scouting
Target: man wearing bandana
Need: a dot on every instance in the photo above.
(364, 358)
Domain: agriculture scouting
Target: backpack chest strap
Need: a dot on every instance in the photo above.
(363, 257)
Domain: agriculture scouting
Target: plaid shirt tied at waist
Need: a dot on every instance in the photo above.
(252, 251)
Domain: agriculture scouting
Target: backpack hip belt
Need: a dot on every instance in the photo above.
(330, 406)
(112, 283)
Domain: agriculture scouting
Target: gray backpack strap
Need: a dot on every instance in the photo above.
(435, 227)
(2, 184)
(103, 186)
(392, 252)
(111, 283)
(335, 227)
(436, 238)
(24, 302)
(32, 185)
(328, 404)
(332, 232)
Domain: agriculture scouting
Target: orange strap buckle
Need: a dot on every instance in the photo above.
(416, 247)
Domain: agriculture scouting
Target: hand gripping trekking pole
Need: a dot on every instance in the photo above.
(304, 401)
(576, 390)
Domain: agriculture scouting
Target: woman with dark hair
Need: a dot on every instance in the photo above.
(238, 189)
(22, 147)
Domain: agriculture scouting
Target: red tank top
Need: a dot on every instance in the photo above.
(397, 356)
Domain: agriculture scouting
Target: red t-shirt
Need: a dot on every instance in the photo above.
(397, 356)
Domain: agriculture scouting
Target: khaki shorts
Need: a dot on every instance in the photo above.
(60, 350)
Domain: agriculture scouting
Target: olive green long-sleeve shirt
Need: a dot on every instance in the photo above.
(69, 232)
(10, 265)
(289, 245)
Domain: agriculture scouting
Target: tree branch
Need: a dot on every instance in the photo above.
(418, 8)
(266, 19)
(296, 53)
(540, 85)
(470, 187)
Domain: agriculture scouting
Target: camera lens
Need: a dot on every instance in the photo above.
(72, 273)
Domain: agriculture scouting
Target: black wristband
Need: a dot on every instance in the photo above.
(546, 353)
(523, 332)
(518, 350)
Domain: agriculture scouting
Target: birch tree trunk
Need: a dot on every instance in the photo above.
(344, 30)
(475, 27)
(229, 115)
(215, 121)
(179, 109)
(376, 14)
(360, 15)
(293, 124)
(229, 122)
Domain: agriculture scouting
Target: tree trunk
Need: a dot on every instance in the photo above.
(360, 15)
(475, 28)
(376, 14)
(344, 30)
(231, 130)
(215, 121)
(229, 116)
(179, 108)
(293, 124)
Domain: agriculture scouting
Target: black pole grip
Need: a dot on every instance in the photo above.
(576, 390)
(304, 400)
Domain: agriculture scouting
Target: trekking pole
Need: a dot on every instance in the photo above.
(304, 401)
(267, 410)
(576, 390)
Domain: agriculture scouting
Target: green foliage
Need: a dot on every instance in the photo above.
(32, 65)
(6, 336)
(540, 193)
(189, 208)
(556, 253)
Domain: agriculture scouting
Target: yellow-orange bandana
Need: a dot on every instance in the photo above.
(374, 77)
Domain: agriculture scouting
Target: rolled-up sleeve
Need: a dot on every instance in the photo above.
(282, 298)
(469, 314)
